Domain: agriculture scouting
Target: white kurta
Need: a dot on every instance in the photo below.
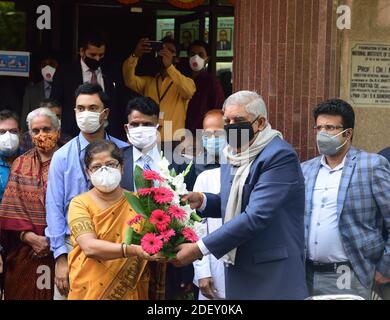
(210, 181)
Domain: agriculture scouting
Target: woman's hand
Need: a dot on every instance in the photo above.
(1, 265)
(136, 250)
(39, 244)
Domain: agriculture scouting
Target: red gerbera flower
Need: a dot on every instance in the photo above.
(145, 192)
(152, 175)
(167, 235)
(159, 218)
(151, 243)
(177, 213)
(190, 235)
(163, 195)
(135, 220)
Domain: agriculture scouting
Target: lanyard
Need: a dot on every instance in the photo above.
(82, 165)
(161, 98)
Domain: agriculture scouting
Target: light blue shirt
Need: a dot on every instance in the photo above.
(4, 174)
(67, 179)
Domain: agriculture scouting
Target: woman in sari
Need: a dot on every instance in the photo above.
(101, 265)
(29, 264)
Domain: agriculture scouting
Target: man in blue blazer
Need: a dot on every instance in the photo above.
(262, 206)
(347, 209)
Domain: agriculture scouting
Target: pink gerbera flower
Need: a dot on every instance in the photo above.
(135, 220)
(159, 218)
(162, 227)
(167, 235)
(163, 195)
(152, 175)
(145, 192)
(190, 235)
(177, 213)
(151, 243)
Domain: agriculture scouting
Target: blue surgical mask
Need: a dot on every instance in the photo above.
(214, 145)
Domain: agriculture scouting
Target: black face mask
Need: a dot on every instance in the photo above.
(239, 134)
(92, 64)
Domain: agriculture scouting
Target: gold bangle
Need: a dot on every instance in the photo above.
(124, 252)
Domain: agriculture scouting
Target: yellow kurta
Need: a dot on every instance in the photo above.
(103, 280)
(173, 106)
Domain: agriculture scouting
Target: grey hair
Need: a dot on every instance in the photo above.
(42, 112)
(253, 103)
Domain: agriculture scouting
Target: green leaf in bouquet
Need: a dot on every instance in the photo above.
(195, 217)
(173, 172)
(129, 235)
(179, 241)
(139, 180)
(188, 169)
(170, 255)
(135, 203)
(136, 238)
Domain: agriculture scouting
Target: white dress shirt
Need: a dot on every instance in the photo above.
(87, 74)
(325, 244)
(209, 266)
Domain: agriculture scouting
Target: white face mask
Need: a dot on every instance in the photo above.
(9, 143)
(197, 63)
(106, 179)
(142, 137)
(48, 73)
(88, 122)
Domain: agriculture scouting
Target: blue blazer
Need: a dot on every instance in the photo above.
(269, 233)
(363, 209)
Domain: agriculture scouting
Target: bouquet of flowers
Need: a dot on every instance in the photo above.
(164, 219)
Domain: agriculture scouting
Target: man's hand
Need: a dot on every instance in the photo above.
(186, 253)
(195, 199)
(61, 278)
(206, 286)
(39, 244)
(143, 46)
(167, 57)
(380, 279)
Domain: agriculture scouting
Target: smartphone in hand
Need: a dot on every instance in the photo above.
(156, 45)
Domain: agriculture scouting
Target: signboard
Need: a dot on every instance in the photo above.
(370, 74)
(14, 63)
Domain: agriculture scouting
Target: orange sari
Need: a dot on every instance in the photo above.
(120, 279)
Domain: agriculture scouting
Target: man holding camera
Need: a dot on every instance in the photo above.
(168, 87)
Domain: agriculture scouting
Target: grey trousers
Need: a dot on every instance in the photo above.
(333, 283)
(383, 291)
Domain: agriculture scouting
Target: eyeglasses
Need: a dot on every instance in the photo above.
(327, 127)
(113, 165)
